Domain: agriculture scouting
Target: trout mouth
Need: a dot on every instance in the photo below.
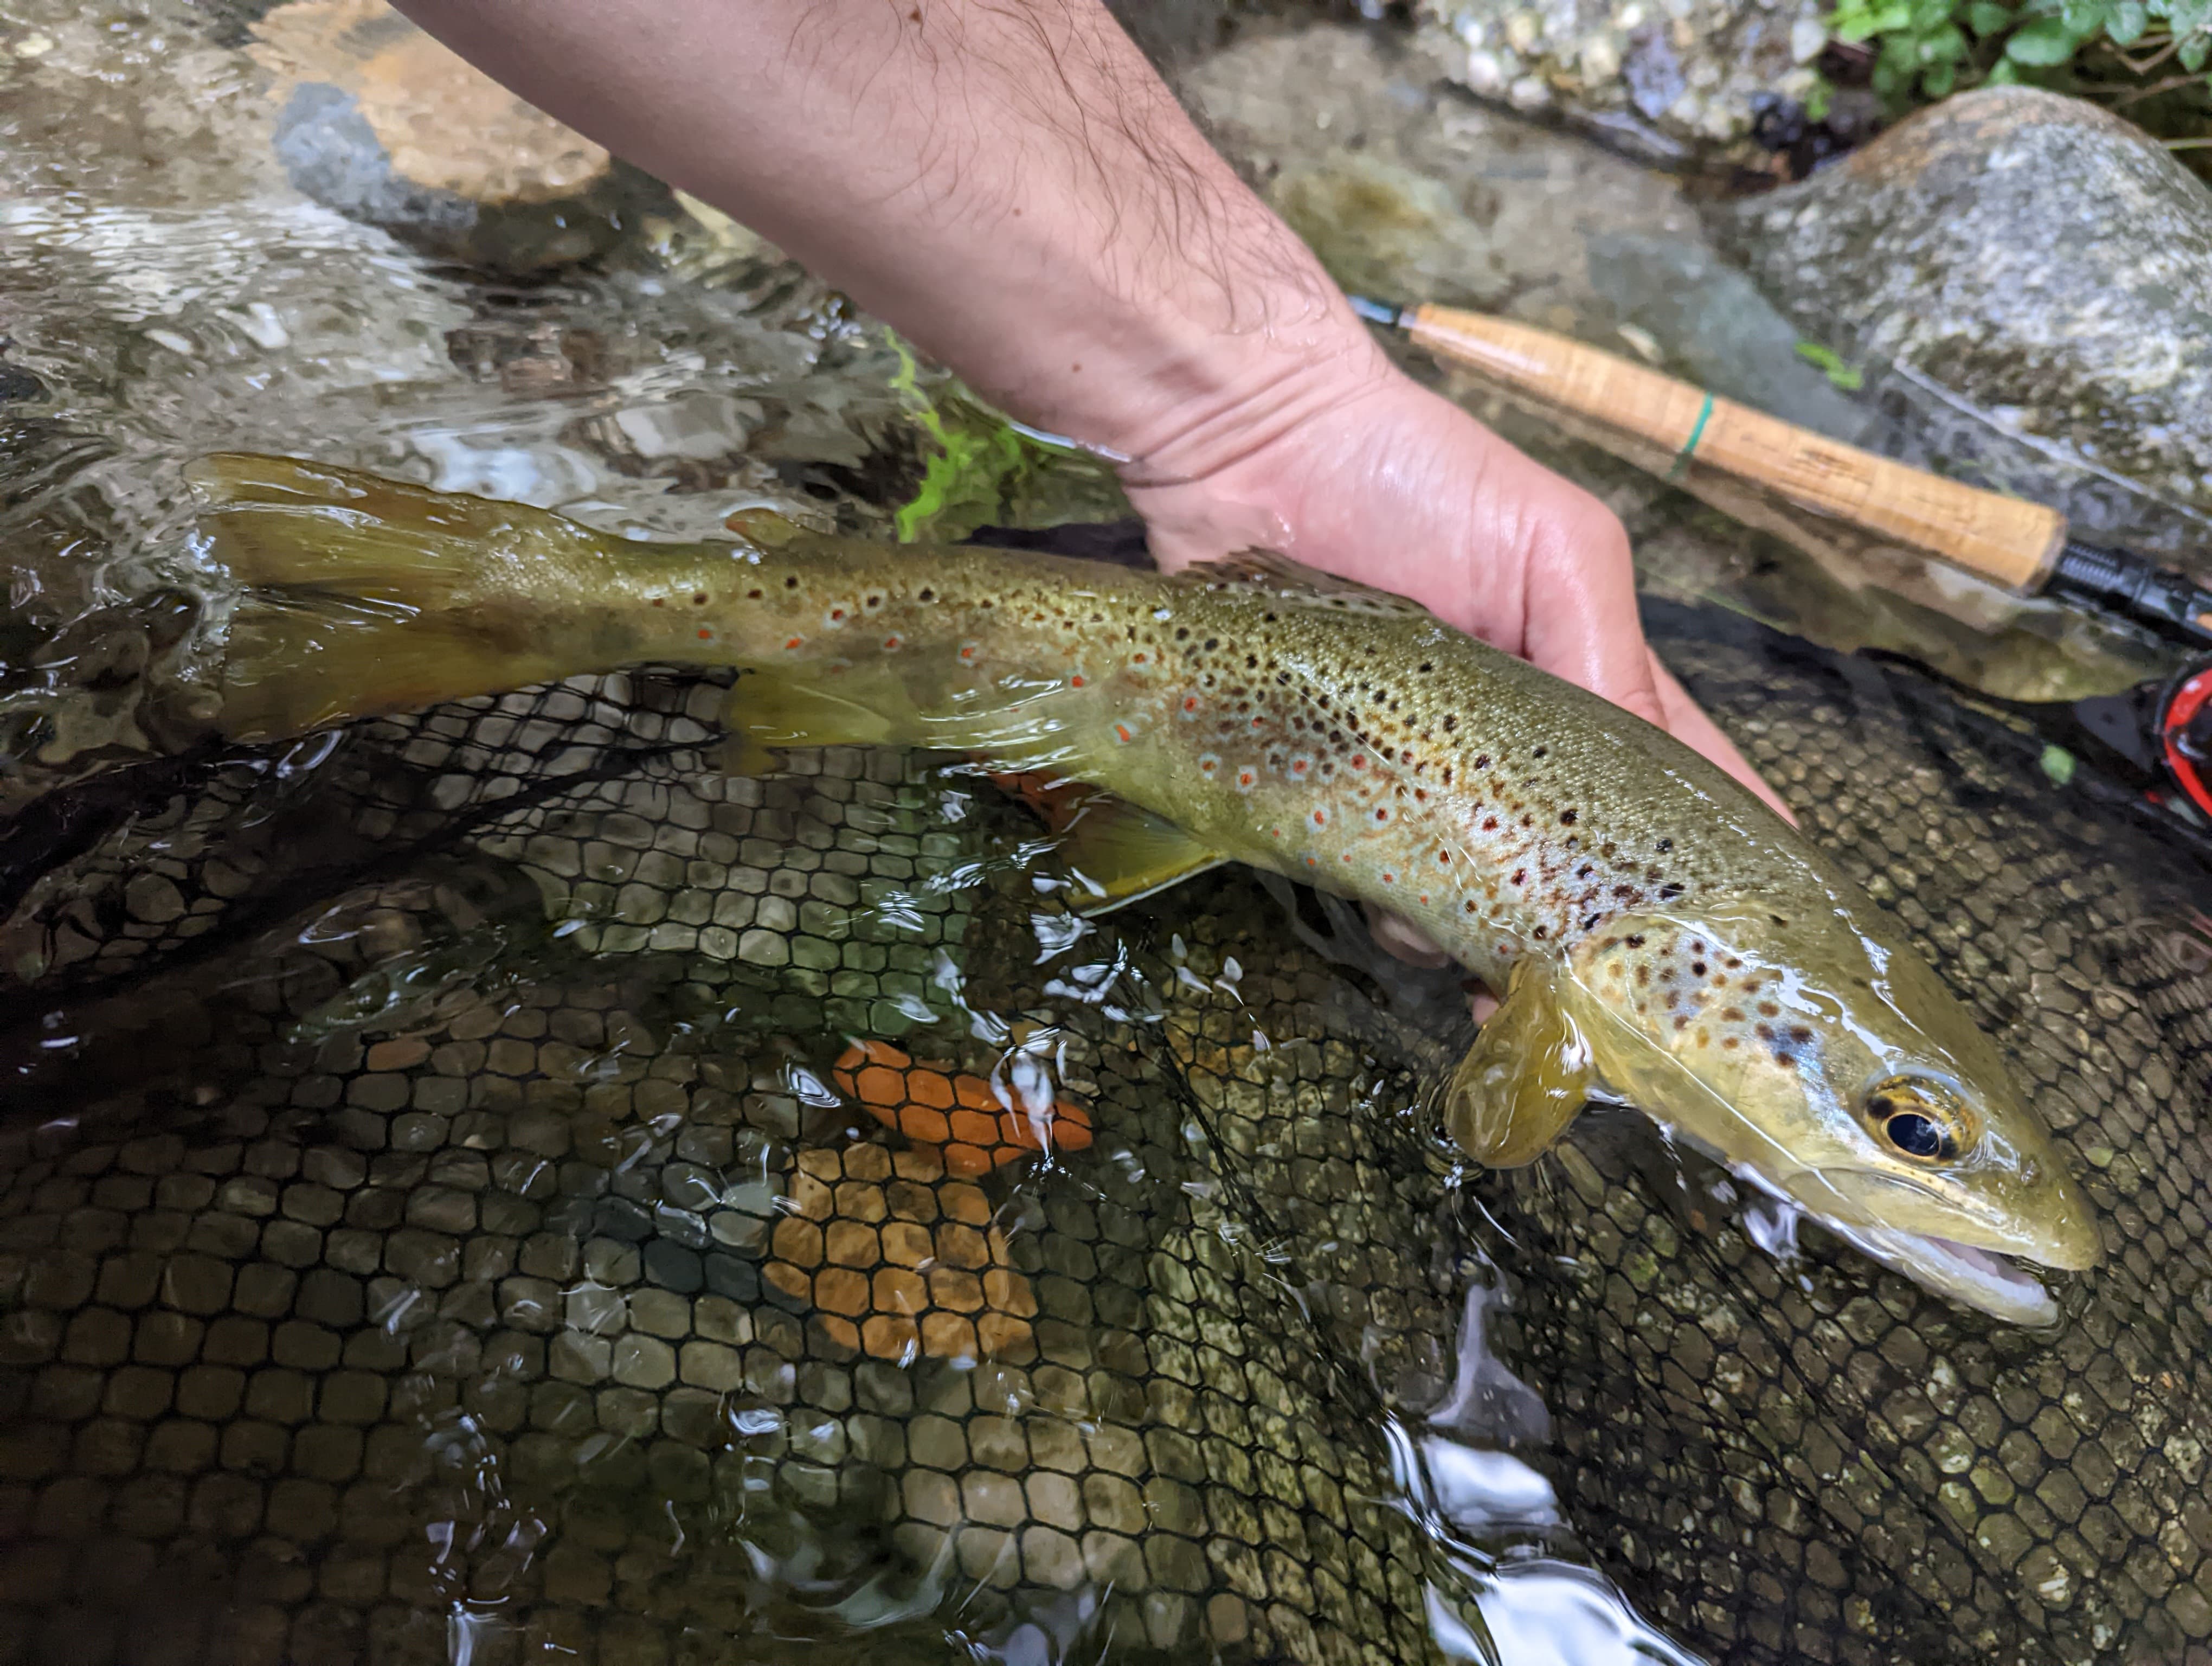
(1990, 1281)
(1983, 1280)
(1994, 1270)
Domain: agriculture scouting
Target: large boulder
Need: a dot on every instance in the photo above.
(380, 121)
(2028, 258)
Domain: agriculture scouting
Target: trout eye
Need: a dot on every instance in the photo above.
(1919, 1118)
(1917, 1136)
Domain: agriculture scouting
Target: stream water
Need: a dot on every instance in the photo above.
(464, 1193)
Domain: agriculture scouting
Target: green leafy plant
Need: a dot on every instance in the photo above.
(2115, 48)
(1846, 377)
(978, 467)
(974, 456)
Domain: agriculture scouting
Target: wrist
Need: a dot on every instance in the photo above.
(1178, 370)
(1238, 395)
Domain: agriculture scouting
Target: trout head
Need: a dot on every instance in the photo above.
(1817, 1056)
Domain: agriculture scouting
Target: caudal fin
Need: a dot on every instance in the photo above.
(365, 596)
(296, 664)
(280, 522)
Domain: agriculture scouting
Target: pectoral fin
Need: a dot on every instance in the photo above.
(1526, 1076)
(1118, 853)
(765, 712)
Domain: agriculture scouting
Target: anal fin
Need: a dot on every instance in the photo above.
(1118, 853)
(766, 712)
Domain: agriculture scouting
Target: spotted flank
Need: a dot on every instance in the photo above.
(1249, 710)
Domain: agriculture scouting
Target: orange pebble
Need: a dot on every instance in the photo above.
(922, 1166)
(891, 1336)
(969, 1161)
(963, 1117)
(881, 1088)
(866, 1053)
(852, 1243)
(918, 1122)
(961, 1247)
(906, 1244)
(797, 1241)
(975, 1093)
(948, 1336)
(1009, 1292)
(1067, 1129)
(1070, 1126)
(897, 1290)
(841, 1290)
(1002, 1336)
(953, 1290)
(932, 1088)
(792, 1281)
(842, 1334)
(961, 1202)
(973, 1128)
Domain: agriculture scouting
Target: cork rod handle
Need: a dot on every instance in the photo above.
(2005, 539)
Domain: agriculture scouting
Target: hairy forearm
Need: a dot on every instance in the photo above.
(1008, 183)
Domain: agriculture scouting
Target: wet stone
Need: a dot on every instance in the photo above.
(1915, 251)
(644, 1363)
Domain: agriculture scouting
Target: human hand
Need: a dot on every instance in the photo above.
(1362, 472)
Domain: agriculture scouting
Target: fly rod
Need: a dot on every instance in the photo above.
(2020, 545)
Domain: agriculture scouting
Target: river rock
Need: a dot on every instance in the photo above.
(2033, 260)
(18, 384)
(1687, 73)
(378, 119)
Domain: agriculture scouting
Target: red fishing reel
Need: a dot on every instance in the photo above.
(2182, 732)
(2154, 739)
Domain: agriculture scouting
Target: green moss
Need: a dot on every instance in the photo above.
(981, 469)
(1832, 366)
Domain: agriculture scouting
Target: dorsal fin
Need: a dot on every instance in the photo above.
(1294, 581)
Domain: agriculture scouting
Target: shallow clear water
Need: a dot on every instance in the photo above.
(444, 1213)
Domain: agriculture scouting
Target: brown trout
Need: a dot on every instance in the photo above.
(1659, 938)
